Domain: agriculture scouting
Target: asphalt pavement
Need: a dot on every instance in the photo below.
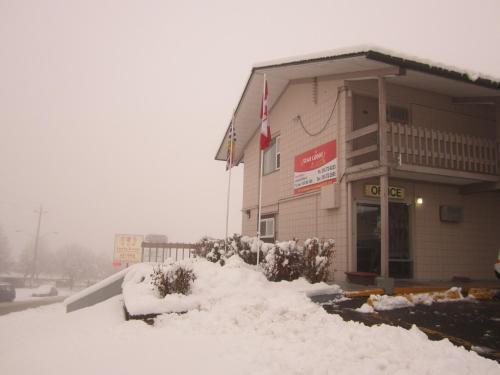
(472, 324)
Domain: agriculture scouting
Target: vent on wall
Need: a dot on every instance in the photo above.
(451, 214)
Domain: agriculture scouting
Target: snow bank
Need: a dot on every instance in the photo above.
(213, 283)
(246, 325)
(384, 302)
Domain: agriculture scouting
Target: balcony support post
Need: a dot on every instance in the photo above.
(384, 180)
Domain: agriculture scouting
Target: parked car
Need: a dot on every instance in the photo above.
(45, 291)
(7, 292)
(497, 265)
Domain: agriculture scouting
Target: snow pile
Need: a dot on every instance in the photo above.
(213, 283)
(384, 302)
(244, 325)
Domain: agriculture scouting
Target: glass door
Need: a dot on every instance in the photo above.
(368, 239)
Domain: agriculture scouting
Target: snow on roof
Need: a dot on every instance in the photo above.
(366, 48)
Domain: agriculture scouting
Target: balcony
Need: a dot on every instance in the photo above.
(424, 154)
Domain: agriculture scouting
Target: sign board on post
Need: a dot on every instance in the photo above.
(128, 248)
(315, 168)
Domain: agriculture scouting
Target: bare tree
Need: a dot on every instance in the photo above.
(5, 255)
(80, 264)
(46, 260)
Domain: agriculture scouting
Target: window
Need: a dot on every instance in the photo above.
(272, 156)
(398, 114)
(267, 227)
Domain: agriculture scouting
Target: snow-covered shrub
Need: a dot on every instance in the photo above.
(247, 247)
(171, 279)
(211, 249)
(216, 250)
(317, 259)
(284, 261)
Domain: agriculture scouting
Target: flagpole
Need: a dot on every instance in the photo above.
(260, 205)
(231, 144)
(260, 181)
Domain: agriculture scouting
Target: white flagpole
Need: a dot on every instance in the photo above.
(230, 148)
(260, 205)
(260, 183)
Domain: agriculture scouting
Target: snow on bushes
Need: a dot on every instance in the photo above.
(284, 261)
(280, 261)
(317, 258)
(171, 279)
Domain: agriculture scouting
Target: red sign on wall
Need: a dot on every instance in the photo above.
(315, 168)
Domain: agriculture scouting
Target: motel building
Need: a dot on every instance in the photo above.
(395, 158)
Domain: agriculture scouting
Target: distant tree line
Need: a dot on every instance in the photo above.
(73, 262)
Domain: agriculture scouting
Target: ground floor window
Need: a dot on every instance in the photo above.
(267, 228)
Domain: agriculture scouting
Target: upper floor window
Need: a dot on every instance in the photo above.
(398, 114)
(272, 157)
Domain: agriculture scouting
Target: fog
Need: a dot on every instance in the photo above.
(111, 111)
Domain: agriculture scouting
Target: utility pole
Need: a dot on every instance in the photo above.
(35, 252)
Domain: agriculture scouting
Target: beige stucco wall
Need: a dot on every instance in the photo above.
(298, 216)
(440, 250)
(432, 110)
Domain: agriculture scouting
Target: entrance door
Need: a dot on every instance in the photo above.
(368, 239)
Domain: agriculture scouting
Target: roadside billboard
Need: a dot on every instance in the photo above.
(128, 248)
(315, 168)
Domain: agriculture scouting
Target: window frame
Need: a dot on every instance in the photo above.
(274, 145)
(268, 219)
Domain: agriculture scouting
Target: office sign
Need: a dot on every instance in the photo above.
(395, 192)
(128, 248)
(315, 168)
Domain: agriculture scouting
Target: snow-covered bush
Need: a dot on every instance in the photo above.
(247, 247)
(280, 261)
(211, 249)
(215, 250)
(317, 259)
(172, 279)
(284, 261)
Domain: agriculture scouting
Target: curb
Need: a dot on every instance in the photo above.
(364, 293)
(482, 294)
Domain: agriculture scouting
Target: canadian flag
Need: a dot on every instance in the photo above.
(265, 130)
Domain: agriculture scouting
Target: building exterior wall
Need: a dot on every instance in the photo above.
(443, 250)
(298, 215)
(432, 110)
(439, 250)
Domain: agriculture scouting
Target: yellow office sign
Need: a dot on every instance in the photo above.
(395, 192)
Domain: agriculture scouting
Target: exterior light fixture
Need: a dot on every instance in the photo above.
(420, 201)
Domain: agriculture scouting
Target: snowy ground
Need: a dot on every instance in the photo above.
(246, 326)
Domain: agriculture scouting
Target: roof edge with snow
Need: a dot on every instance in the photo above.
(373, 53)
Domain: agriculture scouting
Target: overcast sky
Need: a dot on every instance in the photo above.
(111, 111)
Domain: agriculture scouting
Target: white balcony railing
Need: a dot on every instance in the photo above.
(434, 148)
(408, 144)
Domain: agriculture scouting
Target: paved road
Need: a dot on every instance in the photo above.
(8, 307)
(474, 325)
